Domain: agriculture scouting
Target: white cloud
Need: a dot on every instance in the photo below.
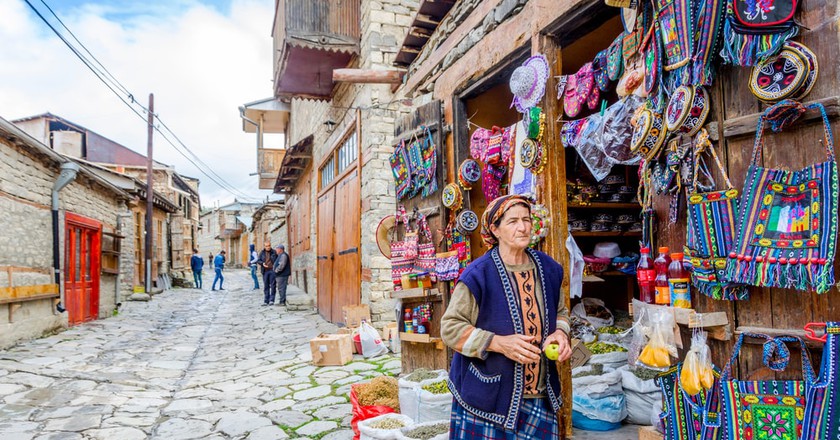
(200, 64)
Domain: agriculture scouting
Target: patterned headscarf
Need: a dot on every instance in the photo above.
(495, 210)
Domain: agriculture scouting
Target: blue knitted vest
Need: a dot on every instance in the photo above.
(493, 388)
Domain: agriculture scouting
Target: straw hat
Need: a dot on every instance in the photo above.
(382, 232)
(527, 83)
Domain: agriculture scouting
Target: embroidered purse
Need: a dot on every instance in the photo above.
(426, 254)
(599, 68)
(789, 74)
(822, 416)
(684, 416)
(615, 62)
(429, 164)
(401, 263)
(710, 232)
(401, 170)
(687, 110)
(446, 266)
(754, 30)
(767, 410)
(649, 133)
(787, 230)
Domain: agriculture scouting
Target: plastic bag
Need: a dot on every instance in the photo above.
(372, 344)
(432, 407)
(600, 397)
(589, 151)
(367, 432)
(594, 311)
(617, 132)
(364, 412)
(404, 433)
(583, 330)
(640, 396)
(409, 396)
(660, 346)
(696, 374)
(596, 387)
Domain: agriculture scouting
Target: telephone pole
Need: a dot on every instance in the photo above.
(147, 252)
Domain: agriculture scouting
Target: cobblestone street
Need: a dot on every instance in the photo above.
(190, 364)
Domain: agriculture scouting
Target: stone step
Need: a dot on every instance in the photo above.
(297, 299)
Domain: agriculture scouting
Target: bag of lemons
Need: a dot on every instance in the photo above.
(696, 374)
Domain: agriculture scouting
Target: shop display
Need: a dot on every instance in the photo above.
(787, 229)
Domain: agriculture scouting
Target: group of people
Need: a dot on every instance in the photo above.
(275, 265)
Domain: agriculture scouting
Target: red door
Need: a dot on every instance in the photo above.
(81, 268)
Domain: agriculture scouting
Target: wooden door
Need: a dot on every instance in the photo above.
(326, 252)
(346, 280)
(81, 268)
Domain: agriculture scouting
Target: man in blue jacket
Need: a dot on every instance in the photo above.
(197, 265)
(219, 265)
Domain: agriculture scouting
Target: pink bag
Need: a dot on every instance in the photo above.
(426, 255)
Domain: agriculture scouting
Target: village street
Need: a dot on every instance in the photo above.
(189, 364)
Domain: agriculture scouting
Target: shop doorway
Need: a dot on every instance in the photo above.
(81, 268)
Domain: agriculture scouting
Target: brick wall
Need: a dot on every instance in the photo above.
(26, 182)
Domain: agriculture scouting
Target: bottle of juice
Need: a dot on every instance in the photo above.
(409, 328)
(645, 275)
(680, 282)
(663, 290)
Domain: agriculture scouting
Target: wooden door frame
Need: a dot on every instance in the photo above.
(78, 221)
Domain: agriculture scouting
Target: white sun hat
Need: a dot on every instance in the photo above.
(527, 83)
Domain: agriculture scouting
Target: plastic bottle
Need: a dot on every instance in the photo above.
(409, 327)
(680, 282)
(663, 290)
(645, 275)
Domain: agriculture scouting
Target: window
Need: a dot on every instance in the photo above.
(328, 172)
(347, 153)
(340, 159)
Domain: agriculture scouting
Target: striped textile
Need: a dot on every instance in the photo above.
(524, 287)
(822, 410)
(535, 421)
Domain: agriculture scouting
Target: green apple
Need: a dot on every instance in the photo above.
(552, 351)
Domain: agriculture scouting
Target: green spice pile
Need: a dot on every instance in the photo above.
(382, 390)
(611, 330)
(437, 387)
(428, 431)
(595, 370)
(645, 373)
(420, 375)
(387, 423)
(603, 348)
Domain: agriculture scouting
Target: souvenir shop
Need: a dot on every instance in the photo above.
(680, 157)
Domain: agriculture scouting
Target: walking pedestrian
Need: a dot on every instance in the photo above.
(219, 265)
(253, 264)
(282, 269)
(266, 261)
(197, 265)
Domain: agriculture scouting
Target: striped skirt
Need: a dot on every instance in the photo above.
(536, 420)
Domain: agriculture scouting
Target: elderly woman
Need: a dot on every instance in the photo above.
(505, 308)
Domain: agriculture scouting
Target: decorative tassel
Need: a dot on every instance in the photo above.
(748, 50)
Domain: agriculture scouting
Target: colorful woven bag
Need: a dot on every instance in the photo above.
(401, 169)
(788, 225)
(710, 231)
(403, 252)
(822, 415)
(767, 410)
(426, 255)
(684, 416)
(754, 30)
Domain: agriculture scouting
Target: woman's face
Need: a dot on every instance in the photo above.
(514, 230)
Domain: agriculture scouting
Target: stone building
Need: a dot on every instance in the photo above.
(269, 224)
(227, 228)
(335, 173)
(38, 186)
(178, 225)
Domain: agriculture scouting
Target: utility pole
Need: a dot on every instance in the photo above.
(147, 252)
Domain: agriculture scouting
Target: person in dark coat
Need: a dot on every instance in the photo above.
(283, 269)
(197, 265)
(266, 262)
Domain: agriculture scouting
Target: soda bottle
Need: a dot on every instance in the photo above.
(409, 328)
(680, 282)
(663, 291)
(645, 276)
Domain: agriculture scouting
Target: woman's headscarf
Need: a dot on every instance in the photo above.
(496, 210)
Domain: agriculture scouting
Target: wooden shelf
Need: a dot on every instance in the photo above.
(416, 293)
(422, 339)
(606, 234)
(605, 205)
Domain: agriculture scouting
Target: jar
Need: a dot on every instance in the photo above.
(424, 280)
(406, 281)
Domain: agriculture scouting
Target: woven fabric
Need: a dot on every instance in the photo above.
(535, 421)
(788, 225)
(401, 170)
(708, 27)
(822, 415)
(747, 44)
(679, 418)
(524, 286)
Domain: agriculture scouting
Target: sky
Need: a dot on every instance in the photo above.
(201, 59)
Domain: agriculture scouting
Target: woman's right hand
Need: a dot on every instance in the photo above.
(518, 348)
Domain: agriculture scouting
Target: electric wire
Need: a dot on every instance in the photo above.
(111, 82)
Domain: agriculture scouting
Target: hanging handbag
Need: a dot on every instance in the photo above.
(822, 415)
(402, 261)
(429, 163)
(755, 30)
(426, 255)
(770, 409)
(787, 230)
(446, 266)
(710, 231)
(401, 170)
(684, 416)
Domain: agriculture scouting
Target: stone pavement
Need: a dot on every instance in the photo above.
(190, 364)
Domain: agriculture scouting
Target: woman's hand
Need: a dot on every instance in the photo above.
(518, 348)
(564, 349)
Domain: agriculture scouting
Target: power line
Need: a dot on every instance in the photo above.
(111, 82)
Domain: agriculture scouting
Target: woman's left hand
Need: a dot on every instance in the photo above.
(564, 349)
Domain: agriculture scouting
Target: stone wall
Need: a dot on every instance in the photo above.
(384, 24)
(26, 181)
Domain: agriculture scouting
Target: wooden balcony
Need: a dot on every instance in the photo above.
(269, 161)
(311, 38)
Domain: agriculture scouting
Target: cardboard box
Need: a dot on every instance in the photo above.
(353, 315)
(391, 336)
(333, 350)
(580, 354)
